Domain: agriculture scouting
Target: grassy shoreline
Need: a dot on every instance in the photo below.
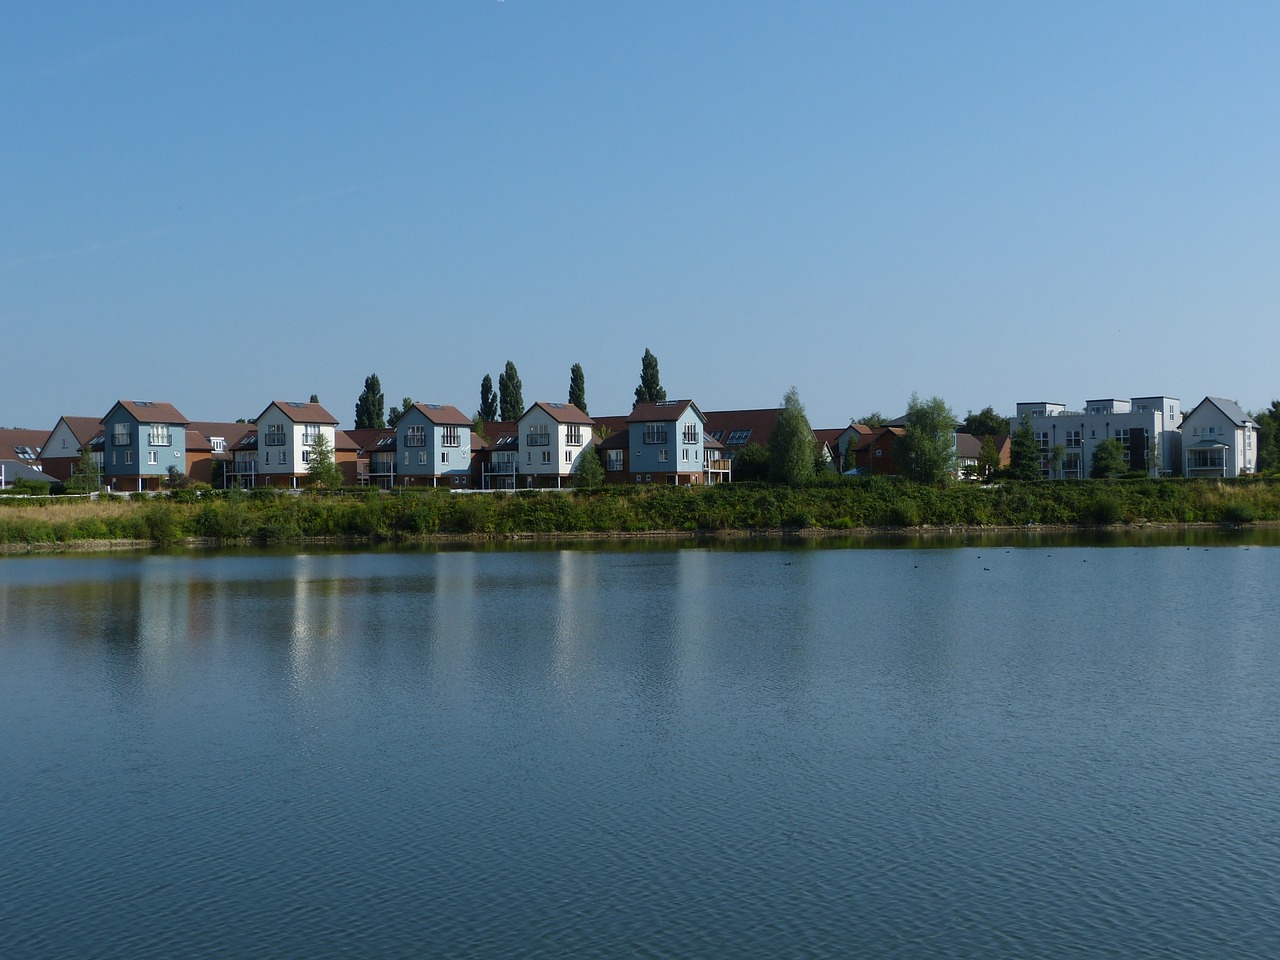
(869, 509)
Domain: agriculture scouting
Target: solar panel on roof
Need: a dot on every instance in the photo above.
(737, 437)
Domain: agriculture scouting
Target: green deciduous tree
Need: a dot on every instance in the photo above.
(323, 472)
(86, 475)
(578, 387)
(1108, 460)
(1024, 453)
(400, 411)
(589, 471)
(315, 398)
(791, 446)
(875, 420)
(926, 451)
(985, 423)
(370, 405)
(650, 389)
(510, 394)
(751, 463)
(1268, 422)
(488, 401)
(988, 458)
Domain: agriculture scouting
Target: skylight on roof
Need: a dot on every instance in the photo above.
(294, 403)
(144, 403)
(556, 406)
(25, 453)
(737, 437)
(432, 406)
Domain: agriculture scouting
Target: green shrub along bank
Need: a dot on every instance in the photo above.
(267, 516)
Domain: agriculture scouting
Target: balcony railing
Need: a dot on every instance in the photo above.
(655, 436)
(275, 439)
(538, 439)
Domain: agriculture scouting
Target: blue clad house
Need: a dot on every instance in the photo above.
(433, 441)
(142, 439)
(666, 442)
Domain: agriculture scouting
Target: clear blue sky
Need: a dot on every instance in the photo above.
(218, 205)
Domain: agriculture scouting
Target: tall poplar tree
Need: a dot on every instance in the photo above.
(370, 406)
(510, 395)
(397, 412)
(488, 401)
(578, 387)
(650, 389)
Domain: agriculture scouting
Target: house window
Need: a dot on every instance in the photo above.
(444, 457)
(159, 435)
(686, 454)
(275, 435)
(310, 434)
(662, 455)
(538, 436)
(528, 457)
(151, 457)
(655, 433)
(422, 458)
(568, 456)
(306, 456)
(218, 444)
(614, 458)
(128, 456)
(451, 437)
(690, 433)
(1073, 439)
(546, 456)
(573, 434)
(415, 437)
(120, 435)
(64, 443)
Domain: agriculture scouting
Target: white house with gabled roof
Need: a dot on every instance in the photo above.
(1219, 440)
(553, 439)
(287, 433)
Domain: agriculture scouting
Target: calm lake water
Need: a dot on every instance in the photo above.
(980, 751)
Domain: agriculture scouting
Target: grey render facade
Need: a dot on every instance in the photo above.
(433, 443)
(1147, 428)
(665, 442)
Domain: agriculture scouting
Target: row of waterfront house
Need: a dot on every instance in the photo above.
(138, 445)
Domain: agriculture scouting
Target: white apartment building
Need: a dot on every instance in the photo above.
(1147, 428)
